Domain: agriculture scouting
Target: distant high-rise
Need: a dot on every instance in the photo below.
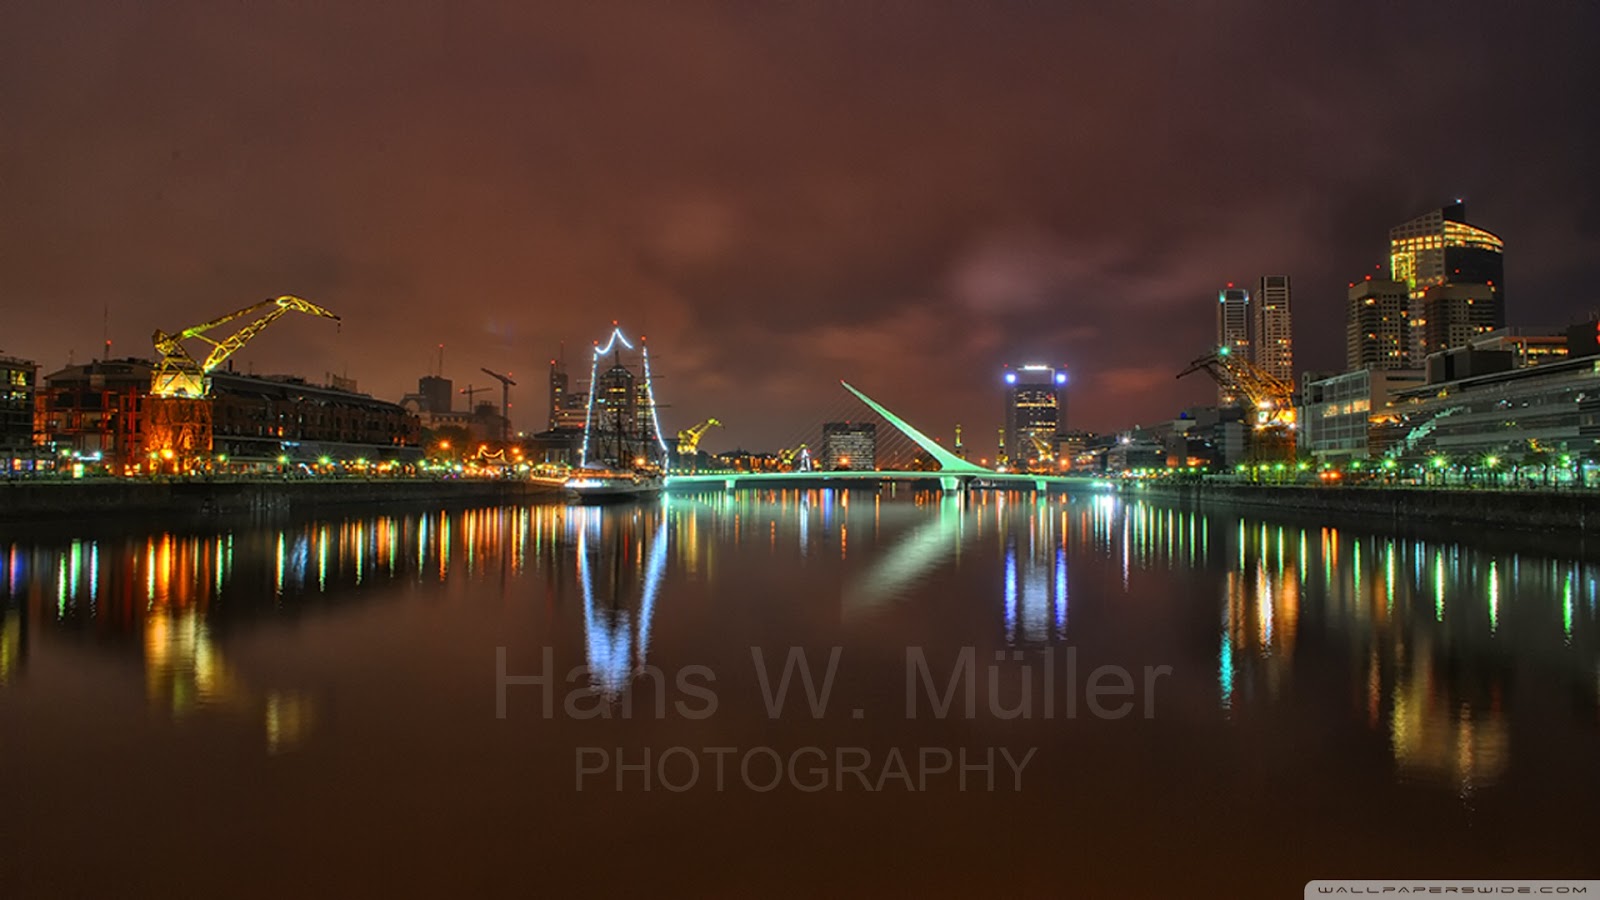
(558, 392)
(1035, 412)
(1272, 341)
(1455, 313)
(438, 393)
(1441, 248)
(1377, 326)
(850, 445)
(1233, 329)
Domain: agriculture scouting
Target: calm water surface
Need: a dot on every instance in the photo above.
(261, 709)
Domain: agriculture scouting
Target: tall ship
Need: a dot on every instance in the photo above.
(623, 456)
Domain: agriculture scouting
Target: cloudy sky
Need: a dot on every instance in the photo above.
(779, 194)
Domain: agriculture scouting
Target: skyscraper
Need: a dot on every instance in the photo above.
(1233, 329)
(558, 392)
(1377, 326)
(1454, 314)
(1035, 413)
(1441, 248)
(1272, 341)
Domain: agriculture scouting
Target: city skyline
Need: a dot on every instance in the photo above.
(768, 233)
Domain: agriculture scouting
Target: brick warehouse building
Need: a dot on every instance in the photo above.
(96, 411)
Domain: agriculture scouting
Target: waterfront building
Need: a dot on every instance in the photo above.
(1553, 407)
(1348, 415)
(1035, 414)
(1271, 338)
(95, 412)
(1530, 345)
(1441, 248)
(1377, 326)
(18, 379)
(850, 445)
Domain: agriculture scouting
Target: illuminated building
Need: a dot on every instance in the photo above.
(17, 381)
(1440, 248)
(1342, 416)
(1454, 314)
(558, 392)
(1233, 330)
(1483, 406)
(1529, 346)
(1272, 341)
(568, 407)
(850, 445)
(1377, 326)
(96, 411)
(1035, 414)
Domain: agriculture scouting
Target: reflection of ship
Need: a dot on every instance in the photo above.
(623, 451)
(613, 487)
(616, 637)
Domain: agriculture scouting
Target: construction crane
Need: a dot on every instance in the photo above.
(689, 438)
(177, 374)
(1270, 398)
(176, 434)
(506, 384)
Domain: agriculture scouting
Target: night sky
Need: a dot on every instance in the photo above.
(905, 195)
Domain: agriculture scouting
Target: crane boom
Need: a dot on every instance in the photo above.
(689, 438)
(178, 374)
(506, 384)
(1269, 396)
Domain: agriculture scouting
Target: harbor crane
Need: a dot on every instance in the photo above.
(689, 438)
(177, 374)
(177, 429)
(797, 459)
(506, 383)
(1268, 397)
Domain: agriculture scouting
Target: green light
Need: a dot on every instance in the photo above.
(324, 460)
(283, 460)
(1388, 464)
(1224, 351)
(1491, 461)
(1302, 466)
(1356, 465)
(1438, 462)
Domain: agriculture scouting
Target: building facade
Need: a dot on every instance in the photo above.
(850, 446)
(1272, 338)
(1035, 413)
(1346, 416)
(1441, 248)
(1456, 313)
(18, 380)
(1233, 330)
(96, 411)
(1552, 407)
(1377, 326)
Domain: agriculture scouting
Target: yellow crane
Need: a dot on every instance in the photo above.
(796, 458)
(689, 438)
(1269, 398)
(177, 374)
(176, 432)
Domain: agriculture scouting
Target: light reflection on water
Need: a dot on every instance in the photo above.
(1428, 635)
